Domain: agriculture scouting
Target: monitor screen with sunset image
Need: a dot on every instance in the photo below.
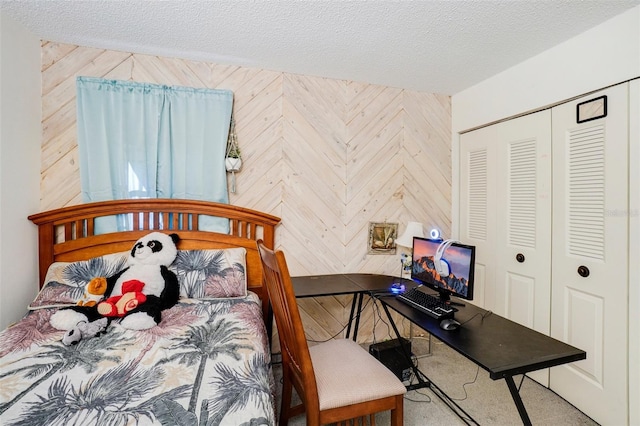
(460, 262)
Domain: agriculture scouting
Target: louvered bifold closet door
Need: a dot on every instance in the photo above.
(590, 249)
(505, 211)
(477, 203)
(523, 213)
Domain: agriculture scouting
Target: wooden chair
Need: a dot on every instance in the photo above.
(336, 380)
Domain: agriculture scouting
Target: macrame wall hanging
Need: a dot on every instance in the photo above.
(233, 159)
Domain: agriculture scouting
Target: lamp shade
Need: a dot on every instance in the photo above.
(414, 229)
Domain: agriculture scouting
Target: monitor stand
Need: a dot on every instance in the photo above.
(446, 298)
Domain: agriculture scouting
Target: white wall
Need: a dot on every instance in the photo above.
(602, 56)
(20, 135)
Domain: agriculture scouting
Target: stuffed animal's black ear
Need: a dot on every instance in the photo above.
(72, 336)
(175, 238)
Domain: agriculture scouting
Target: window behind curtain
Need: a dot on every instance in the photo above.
(142, 140)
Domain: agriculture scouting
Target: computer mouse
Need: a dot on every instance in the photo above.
(449, 324)
(397, 288)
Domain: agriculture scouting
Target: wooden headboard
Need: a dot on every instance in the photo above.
(67, 234)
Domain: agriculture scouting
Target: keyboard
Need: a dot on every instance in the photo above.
(426, 303)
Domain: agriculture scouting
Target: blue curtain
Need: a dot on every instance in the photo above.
(141, 140)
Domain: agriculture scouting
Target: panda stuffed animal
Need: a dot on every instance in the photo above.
(137, 294)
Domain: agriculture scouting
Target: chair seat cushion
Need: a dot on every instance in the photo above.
(347, 374)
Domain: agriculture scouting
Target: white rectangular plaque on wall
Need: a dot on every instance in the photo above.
(591, 109)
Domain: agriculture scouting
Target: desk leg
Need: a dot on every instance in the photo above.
(518, 401)
(355, 329)
(416, 371)
(357, 298)
(426, 382)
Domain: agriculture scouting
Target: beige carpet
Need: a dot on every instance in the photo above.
(487, 401)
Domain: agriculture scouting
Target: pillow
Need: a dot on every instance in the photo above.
(65, 281)
(211, 274)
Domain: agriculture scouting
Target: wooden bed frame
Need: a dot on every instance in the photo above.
(67, 234)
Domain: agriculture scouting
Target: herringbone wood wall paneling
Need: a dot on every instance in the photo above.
(327, 156)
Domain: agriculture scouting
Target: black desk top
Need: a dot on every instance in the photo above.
(324, 285)
(500, 346)
(339, 284)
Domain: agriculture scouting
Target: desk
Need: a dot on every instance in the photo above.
(342, 284)
(500, 346)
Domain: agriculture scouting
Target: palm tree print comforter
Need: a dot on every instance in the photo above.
(206, 363)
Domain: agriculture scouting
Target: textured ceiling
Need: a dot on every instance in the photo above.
(434, 46)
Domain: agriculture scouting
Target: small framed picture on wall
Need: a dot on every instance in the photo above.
(382, 237)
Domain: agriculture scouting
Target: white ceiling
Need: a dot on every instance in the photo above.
(437, 46)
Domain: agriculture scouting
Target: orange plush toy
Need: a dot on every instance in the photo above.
(93, 292)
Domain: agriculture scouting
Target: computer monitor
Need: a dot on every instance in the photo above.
(460, 259)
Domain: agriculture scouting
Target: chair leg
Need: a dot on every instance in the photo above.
(397, 414)
(285, 405)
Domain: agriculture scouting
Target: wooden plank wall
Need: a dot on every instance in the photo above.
(327, 156)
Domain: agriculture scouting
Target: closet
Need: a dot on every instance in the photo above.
(506, 214)
(545, 199)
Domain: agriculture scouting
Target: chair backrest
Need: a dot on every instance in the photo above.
(293, 343)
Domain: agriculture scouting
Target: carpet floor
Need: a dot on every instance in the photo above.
(487, 401)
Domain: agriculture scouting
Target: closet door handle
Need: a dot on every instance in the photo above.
(583, 271)
(520, 257)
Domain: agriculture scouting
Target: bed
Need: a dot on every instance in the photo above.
(206, 363)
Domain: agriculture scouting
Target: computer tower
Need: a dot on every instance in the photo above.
(390, 354)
